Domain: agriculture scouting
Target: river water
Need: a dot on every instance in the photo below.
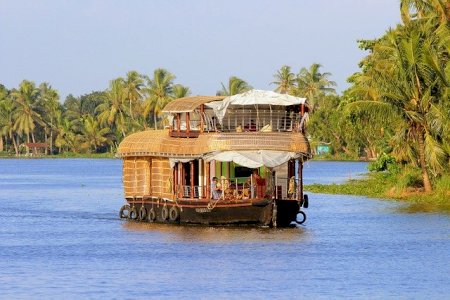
(60, 237)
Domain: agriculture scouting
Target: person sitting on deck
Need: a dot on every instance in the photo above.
(215, 188)
(259, 183)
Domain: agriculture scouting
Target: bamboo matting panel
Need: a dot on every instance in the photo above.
(159, 143)
(161, 178)
(136, 176)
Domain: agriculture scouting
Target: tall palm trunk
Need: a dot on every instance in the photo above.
(155, 120)
(34, 141)
(16, 144)
(423, 166)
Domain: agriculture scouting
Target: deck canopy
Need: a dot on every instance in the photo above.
(253, 159)
(189, 104)
(256, 97)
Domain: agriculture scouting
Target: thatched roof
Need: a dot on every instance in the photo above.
(188, 104)
(159, 143)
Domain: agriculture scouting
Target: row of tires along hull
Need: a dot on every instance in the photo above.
(278, 213)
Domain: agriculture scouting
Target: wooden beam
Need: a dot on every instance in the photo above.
(202, 113)
(175, 180)
(208, 180)
(178, 122)
(191, 166)
(188, 125)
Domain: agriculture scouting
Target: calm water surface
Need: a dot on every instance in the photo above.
(60, 236)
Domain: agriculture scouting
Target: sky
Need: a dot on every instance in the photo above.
(78, 46)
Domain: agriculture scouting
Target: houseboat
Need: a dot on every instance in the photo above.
(220, 160)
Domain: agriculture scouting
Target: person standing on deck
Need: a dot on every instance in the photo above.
(215, 188)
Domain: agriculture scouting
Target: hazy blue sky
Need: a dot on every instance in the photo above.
(78, 46)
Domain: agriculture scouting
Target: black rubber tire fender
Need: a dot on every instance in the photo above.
(133, 215)
(165, 213)
(174, 214)
(142, 213)
(151, 215)
(305, 201)
(124, 208)
(301, 221)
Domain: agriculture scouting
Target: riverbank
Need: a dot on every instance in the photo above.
(62, 155)
(393, 187)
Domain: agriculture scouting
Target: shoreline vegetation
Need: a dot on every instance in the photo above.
(397, 187)
(396, 111)
(376, 186)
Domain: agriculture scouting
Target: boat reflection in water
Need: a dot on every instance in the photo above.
(218, 234)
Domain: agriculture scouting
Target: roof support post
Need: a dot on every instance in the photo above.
(300, 180)
(191, 167)
(208, 180)
(202, 113)
(178, 123)
(182, 181)
(188, 125)
(175, 180)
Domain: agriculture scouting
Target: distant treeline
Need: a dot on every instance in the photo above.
(398, 103)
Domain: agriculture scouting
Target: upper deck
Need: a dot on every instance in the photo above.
(252, 111)
(254, 120)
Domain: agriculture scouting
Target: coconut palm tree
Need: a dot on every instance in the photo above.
(133, 84)
(284, 79)
(407, 69)
(159, 91)
(180, 91)
(26, 113)
(113, 111)
(93, 135)
(314, 85)
(7, 113)
(235, 86)
(49, 105)
(424, 9)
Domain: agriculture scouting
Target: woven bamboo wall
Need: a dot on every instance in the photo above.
(158, 143)
(136, 176)
(161, 178)
(144, 176)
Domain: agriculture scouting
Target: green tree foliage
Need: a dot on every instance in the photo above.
(94, 122)
(406, 78)
(235, 86)
(159, 91)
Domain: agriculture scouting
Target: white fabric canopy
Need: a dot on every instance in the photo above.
(173, 161)
(253, 159)
(256, 97)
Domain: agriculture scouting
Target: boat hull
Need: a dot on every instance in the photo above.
(277, 213)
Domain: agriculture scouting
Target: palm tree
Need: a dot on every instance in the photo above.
(159, 91)
(26, 115)
(93, 135)
(180, 91)
(424, 9)
(314, 85)
(113, 111)
(49, 103)
(235, 86)
(133, 85)
(407, 69)
(7, 113)
(284, 79)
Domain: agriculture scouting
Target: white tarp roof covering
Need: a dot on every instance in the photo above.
(257, 97)
(253, 159)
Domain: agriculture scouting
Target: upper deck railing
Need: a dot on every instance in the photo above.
(239, 120)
